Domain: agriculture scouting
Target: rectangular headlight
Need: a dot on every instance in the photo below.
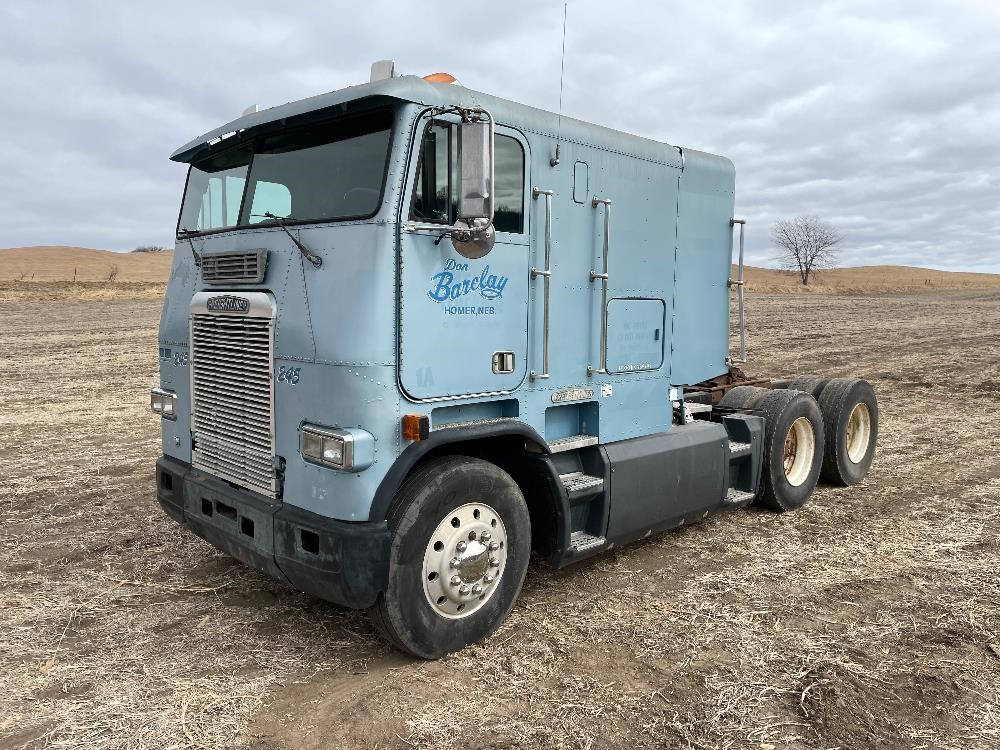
(345, 450)
(312, 445)
(163, 403)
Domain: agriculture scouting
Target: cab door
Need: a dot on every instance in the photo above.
(462, 321)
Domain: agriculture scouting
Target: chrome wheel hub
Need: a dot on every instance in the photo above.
(464, 560)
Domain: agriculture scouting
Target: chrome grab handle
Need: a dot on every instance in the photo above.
(739, 286)
(594, 275)
(546, 275)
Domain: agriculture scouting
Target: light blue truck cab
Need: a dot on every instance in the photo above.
(413, 332)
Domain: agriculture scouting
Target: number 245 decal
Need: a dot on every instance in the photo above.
(288, 375)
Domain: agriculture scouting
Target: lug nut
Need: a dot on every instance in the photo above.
(485, 536)
(454, 562)
(463, 589)
(477, 590)
(461, 546)
(494, 546)
(487, 578)
(494, 563)
(455, 580)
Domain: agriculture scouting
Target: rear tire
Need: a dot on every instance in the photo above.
(461, 540)
(793, 448)
(850, 419)
(742, 397)
(811, 384)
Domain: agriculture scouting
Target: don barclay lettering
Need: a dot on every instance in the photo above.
(450, 285)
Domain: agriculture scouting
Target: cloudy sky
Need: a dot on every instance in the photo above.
(883, 118)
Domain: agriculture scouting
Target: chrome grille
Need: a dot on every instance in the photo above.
(245, 267)
(232, 414)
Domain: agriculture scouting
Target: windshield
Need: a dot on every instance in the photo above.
(327, 172)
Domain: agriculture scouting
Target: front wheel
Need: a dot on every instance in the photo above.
(461, 540)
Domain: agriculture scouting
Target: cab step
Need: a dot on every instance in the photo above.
(580, 486)
(572, 442)
(581, 541)
(738, 497)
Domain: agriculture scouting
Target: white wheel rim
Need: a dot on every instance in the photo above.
(464, 560)
(859, 432)
(800, 448)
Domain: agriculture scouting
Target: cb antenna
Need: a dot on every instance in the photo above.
(562, 70)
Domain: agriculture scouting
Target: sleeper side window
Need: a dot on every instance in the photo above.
(435, 198)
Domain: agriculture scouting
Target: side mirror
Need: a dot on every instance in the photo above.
(473, 235)
(475, 155)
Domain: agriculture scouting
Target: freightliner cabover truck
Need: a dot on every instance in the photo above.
(414, 332)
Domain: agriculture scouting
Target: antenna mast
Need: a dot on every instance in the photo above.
(562, 70)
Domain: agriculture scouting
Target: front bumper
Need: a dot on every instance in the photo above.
(342, 562)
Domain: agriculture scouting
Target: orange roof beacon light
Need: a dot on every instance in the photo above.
(416, 426)
(440, 78)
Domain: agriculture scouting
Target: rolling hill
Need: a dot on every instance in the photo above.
(60, 263)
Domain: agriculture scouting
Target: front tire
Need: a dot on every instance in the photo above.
(461, 541)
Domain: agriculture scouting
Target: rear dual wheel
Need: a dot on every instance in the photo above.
(793, 442)
(839, 448)
(850, 417)
(850, 422)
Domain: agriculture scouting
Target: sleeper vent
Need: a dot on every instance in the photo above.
(245, 267)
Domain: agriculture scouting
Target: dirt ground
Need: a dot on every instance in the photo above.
(868, 619)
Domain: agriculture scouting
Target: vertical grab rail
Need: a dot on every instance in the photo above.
(546, 273)
(594, 275)
(739, 286)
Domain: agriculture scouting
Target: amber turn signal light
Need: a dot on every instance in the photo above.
(440, 78)
(416, 427)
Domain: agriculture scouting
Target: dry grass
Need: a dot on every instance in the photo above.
(867, 619)
(59, 263)
(148, 273)
(26, 291)
(867, 280)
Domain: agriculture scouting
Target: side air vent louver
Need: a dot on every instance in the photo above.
(244, 267)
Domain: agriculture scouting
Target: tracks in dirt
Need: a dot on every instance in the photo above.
(867, 617)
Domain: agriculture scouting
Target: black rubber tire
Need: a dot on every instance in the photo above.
(811, 384)
(402, 613)
(837, 402)
(780, 408)
(742, 397)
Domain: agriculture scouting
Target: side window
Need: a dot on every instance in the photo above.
(508, 205)
(432, 200)
(435, 198)
(214, 191)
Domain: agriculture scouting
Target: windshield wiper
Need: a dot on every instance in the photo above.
(188, 233)
(310, 256)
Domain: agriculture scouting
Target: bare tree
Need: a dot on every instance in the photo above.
(113, 273)
(806, 244)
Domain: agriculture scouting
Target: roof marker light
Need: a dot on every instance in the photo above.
(440, 78)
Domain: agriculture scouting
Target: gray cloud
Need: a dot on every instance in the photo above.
(881, 118)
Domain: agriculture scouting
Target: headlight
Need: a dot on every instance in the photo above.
(163, 403)
(346, 450)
